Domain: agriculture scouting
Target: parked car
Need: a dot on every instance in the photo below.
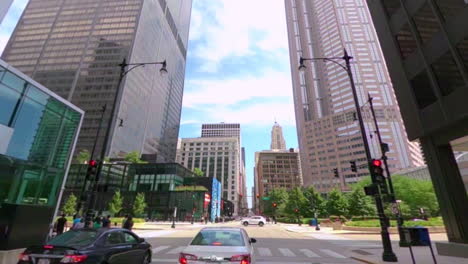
(90, 246)
(254, 220)
(213, 245)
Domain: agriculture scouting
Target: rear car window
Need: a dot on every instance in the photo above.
(227, 238)
(74, 238)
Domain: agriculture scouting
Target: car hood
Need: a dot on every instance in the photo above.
(218, 251)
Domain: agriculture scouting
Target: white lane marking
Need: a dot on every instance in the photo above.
(165, 260)
(286, 252)
(264, 252)
(309, 253)
(332, 253)
(159, 249)
(327, 237)
(176, 250)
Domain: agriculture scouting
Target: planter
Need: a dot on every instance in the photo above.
(337, 225)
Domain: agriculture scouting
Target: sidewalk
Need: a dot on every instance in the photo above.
(367, 247)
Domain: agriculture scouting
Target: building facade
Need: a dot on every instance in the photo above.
(4, 6)
(328, 131)
(277, 139)
(74, 47)
(38, 133)
(217, 157)
(425, 44)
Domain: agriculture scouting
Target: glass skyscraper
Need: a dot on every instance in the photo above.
(74, 47)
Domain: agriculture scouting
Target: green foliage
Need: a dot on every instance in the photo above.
(436, 221)
(69, 208)
(359, 204)
(315, 202)
(83, 156)
(336, 203)
(196, 188)
(134, 157)
(198, 172)
(278, 196)
(115, 205)
(139, 205)
(296, 200)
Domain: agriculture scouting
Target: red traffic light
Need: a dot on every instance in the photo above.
(92, 163)
(258, 195)
(377, 163)
(274, 205)
(296, 210)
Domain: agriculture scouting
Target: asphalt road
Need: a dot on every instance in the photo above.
(275, 245)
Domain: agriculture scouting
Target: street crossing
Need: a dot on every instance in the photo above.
(262, 252)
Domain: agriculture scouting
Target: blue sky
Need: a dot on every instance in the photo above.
(237, 70)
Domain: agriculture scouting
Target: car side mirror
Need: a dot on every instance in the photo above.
(141, 240)
(253, 240)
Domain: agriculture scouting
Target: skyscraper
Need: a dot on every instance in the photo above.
(277, 139)
(74, 47)
(328, 132)
(425, 44)
(4, 6)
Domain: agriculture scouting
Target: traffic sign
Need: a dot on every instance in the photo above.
(265, 198)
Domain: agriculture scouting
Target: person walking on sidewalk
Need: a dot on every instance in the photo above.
(106, 222)
(61, 224)
(129, 223)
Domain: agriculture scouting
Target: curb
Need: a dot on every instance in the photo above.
(363, 260)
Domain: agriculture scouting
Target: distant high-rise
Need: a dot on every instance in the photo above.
(4, 6)
(74, 47)
(277, 139)
(221, 130)
(328, 133)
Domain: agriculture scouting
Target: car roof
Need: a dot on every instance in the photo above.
(222, 228)
(101, 230)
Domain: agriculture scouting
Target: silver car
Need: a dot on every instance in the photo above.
(226, 245)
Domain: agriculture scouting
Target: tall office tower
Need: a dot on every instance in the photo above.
(328, 132)
(425, 44)
(4, 6)
(216, 157)
(277, 139)
(74, 47)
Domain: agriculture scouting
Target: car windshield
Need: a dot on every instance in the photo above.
(74, 238)
(226, 238)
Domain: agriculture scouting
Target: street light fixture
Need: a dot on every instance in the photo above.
(123, 73)
(388, 254)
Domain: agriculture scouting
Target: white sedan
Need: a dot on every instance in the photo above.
(227, 245)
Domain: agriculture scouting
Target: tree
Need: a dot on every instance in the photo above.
(139, 205)
(134, 157)
(198, 172)
(336, 203)
(296, 200)
(359, 204)
(277, 196)
(315, 202)
(83, 156)
(115, 205)
(69, 208)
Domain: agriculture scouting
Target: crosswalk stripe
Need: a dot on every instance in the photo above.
(264, 252)
(176, 250)
(309, 253)
(332, 253)
(286, 252)
(159, 249)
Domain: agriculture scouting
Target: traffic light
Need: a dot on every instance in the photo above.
(377, 175)
(258, 196)
(275, 205)
(296, 210)
(335, 173)
(353, 166)
(92, 169)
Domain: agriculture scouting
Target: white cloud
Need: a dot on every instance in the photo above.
(234, 90)
(237, 28)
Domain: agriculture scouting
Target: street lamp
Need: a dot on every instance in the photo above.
(123, 73)
(388, 254)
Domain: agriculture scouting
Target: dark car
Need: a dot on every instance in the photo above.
(90, 246)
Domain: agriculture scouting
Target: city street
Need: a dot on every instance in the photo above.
(290, 244)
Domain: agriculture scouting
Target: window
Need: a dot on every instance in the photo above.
(450, 8)
(114, 238)
(218, 238)
(9, 100)
(74, 238)
(447, 73)
(130, 239)
(426, 23)
(423, 90)
(406, 41)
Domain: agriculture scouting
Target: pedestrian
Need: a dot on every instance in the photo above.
(80, 224)
(124, 220)
(129, 223)
(61, 224)
(106, 222)
(76, 220)
(97, 222)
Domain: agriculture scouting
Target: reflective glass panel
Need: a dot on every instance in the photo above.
(450, 8)
(13, 81)
(9, 99)
(426, 23)
(447, 73)
(406, 41)
(422, 90)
